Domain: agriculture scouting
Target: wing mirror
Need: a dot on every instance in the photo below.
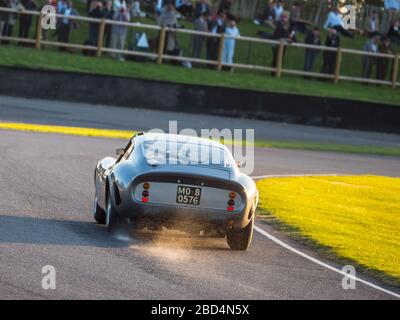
(120, 152)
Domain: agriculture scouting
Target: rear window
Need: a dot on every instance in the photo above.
(182, 153)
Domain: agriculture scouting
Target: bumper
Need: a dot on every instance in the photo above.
(164, 214)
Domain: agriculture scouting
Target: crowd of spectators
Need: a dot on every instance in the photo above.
(381, 35)
(276, 21)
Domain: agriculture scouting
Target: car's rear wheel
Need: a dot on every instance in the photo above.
(98, 213)
(239, 240)
(112, 219)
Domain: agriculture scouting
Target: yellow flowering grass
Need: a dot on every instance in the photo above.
(353, 218)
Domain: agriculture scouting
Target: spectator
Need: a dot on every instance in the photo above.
(3, 15)
(184, 7)
(65, 24)
(136, 11)
(88, 5)
(95, 11)
(382, 64)
(278, 10)
(392, 8)
(372, 23)
(61, 4)
(11, 19)
(295, 19)
(169, 18)
(394, 32)
(200, 24)
(225, 5)
(228, 52)
(108, 14)
(215, 26)
(202, 7)
(312, 38)
(368, 62)
(118, 5)
(158, 7)
(25, 20)
(118, 33)
(284, 32)
(268, 11)
(329, 57)
(335, 21)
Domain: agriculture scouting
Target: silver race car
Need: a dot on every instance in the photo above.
(176, 182)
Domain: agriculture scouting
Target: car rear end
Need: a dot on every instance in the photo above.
(211, 199)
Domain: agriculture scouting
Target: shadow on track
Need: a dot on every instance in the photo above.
(39, 231)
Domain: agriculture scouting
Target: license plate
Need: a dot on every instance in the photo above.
(188, 195)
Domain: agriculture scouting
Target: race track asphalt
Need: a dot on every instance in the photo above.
(46, 182)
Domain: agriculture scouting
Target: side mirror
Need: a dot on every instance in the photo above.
(120, 152)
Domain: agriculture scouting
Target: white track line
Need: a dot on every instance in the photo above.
(325, 265)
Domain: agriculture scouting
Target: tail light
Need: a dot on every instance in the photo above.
(231, 202)
(145, 192)
(146, 186)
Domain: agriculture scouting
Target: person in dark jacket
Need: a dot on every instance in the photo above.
(226, 6)
(108, 14)
(382, 64)
(284, 32)
(95, 11)
(65, 25)
(394, 32)
(329, 57)
(202, 8)
(215, 26)
(312, 38)
(3, 15)
(25, 20)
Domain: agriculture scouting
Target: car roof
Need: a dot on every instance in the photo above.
(179, 139)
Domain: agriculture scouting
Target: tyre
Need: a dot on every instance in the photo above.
(239, 240)
(112, 219)
(98, 213)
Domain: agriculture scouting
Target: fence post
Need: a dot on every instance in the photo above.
(279, 59)
(161, 45)
(220, 51)
(38, 30)
(395, 71)
(338, 65)
(100, 39)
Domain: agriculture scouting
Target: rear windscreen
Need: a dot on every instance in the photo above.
(183, 153)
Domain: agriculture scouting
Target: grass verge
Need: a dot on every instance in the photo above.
(13, 56)
(353, 219)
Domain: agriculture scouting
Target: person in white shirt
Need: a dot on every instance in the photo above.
(278, 10)
(372, 23)
(335, 21)
(392, 8)
(118, 35)
(136, 12)
(228, 52)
